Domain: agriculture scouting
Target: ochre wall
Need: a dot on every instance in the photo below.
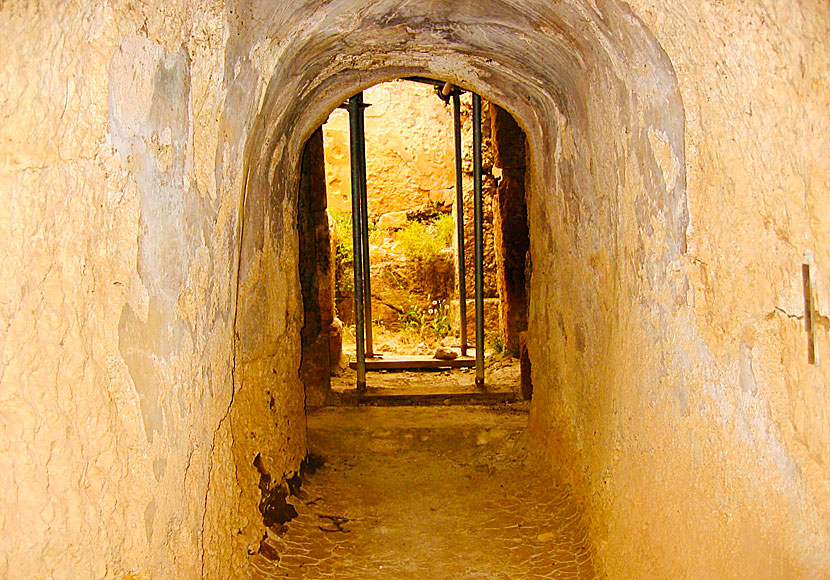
(127, 427)
(512, 239)
(321, 337)
(727, 436)
(410, 156)
(678, 179)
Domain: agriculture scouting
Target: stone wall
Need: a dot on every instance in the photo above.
(631, 396)
(321, 337)
(150, 307)
(725, 436)
(410, 164)
(511, 236)
(128, 421)
(410, 156)
(410, 161)
(489, 184)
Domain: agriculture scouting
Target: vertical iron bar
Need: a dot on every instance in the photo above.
(459, 215)
(479, 240)
(354, 153)
(808, 313)
(364, 228)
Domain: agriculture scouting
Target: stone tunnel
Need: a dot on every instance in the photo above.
(150, 298)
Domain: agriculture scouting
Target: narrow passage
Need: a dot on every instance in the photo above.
(427, 493)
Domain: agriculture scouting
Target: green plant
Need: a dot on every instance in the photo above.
(425, 240)
(413, 317)
(438, 313)
(496, 342)
(445, 226)
(341, 223)
(430, 322)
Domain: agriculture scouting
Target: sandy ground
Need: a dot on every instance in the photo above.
(426, 493)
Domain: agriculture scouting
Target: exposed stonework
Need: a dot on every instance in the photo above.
(512, 241)
(150, 306)
(410, 156)
(410, 162)
(321, 338)
(411, 176)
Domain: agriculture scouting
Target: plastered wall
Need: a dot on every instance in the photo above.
(150, 307)
(727, 438)
(127, 424)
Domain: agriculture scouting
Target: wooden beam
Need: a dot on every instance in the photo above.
(353, 397)
(401, 363)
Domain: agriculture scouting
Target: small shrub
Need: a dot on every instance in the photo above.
(425, 240)
(341, 223)
(496, 342)
(444, 227)
(428, 323)
(439, 321)
(413, 317)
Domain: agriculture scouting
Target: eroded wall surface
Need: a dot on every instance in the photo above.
(663, 430)
(321, 338)
(126, 441)
(512, 241)
(678, 179)
(720, 423)
(410, 156)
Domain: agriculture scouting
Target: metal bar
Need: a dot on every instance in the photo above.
(459, 215)
(364, 229)
(345, 106)
(479, 240)
(354, 153)
(425, 80)
(808, 313)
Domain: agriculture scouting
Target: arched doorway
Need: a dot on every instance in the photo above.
(422, 189)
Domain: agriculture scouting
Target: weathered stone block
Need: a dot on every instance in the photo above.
(508, 140)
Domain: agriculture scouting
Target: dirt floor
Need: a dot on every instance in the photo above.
(426, 493)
